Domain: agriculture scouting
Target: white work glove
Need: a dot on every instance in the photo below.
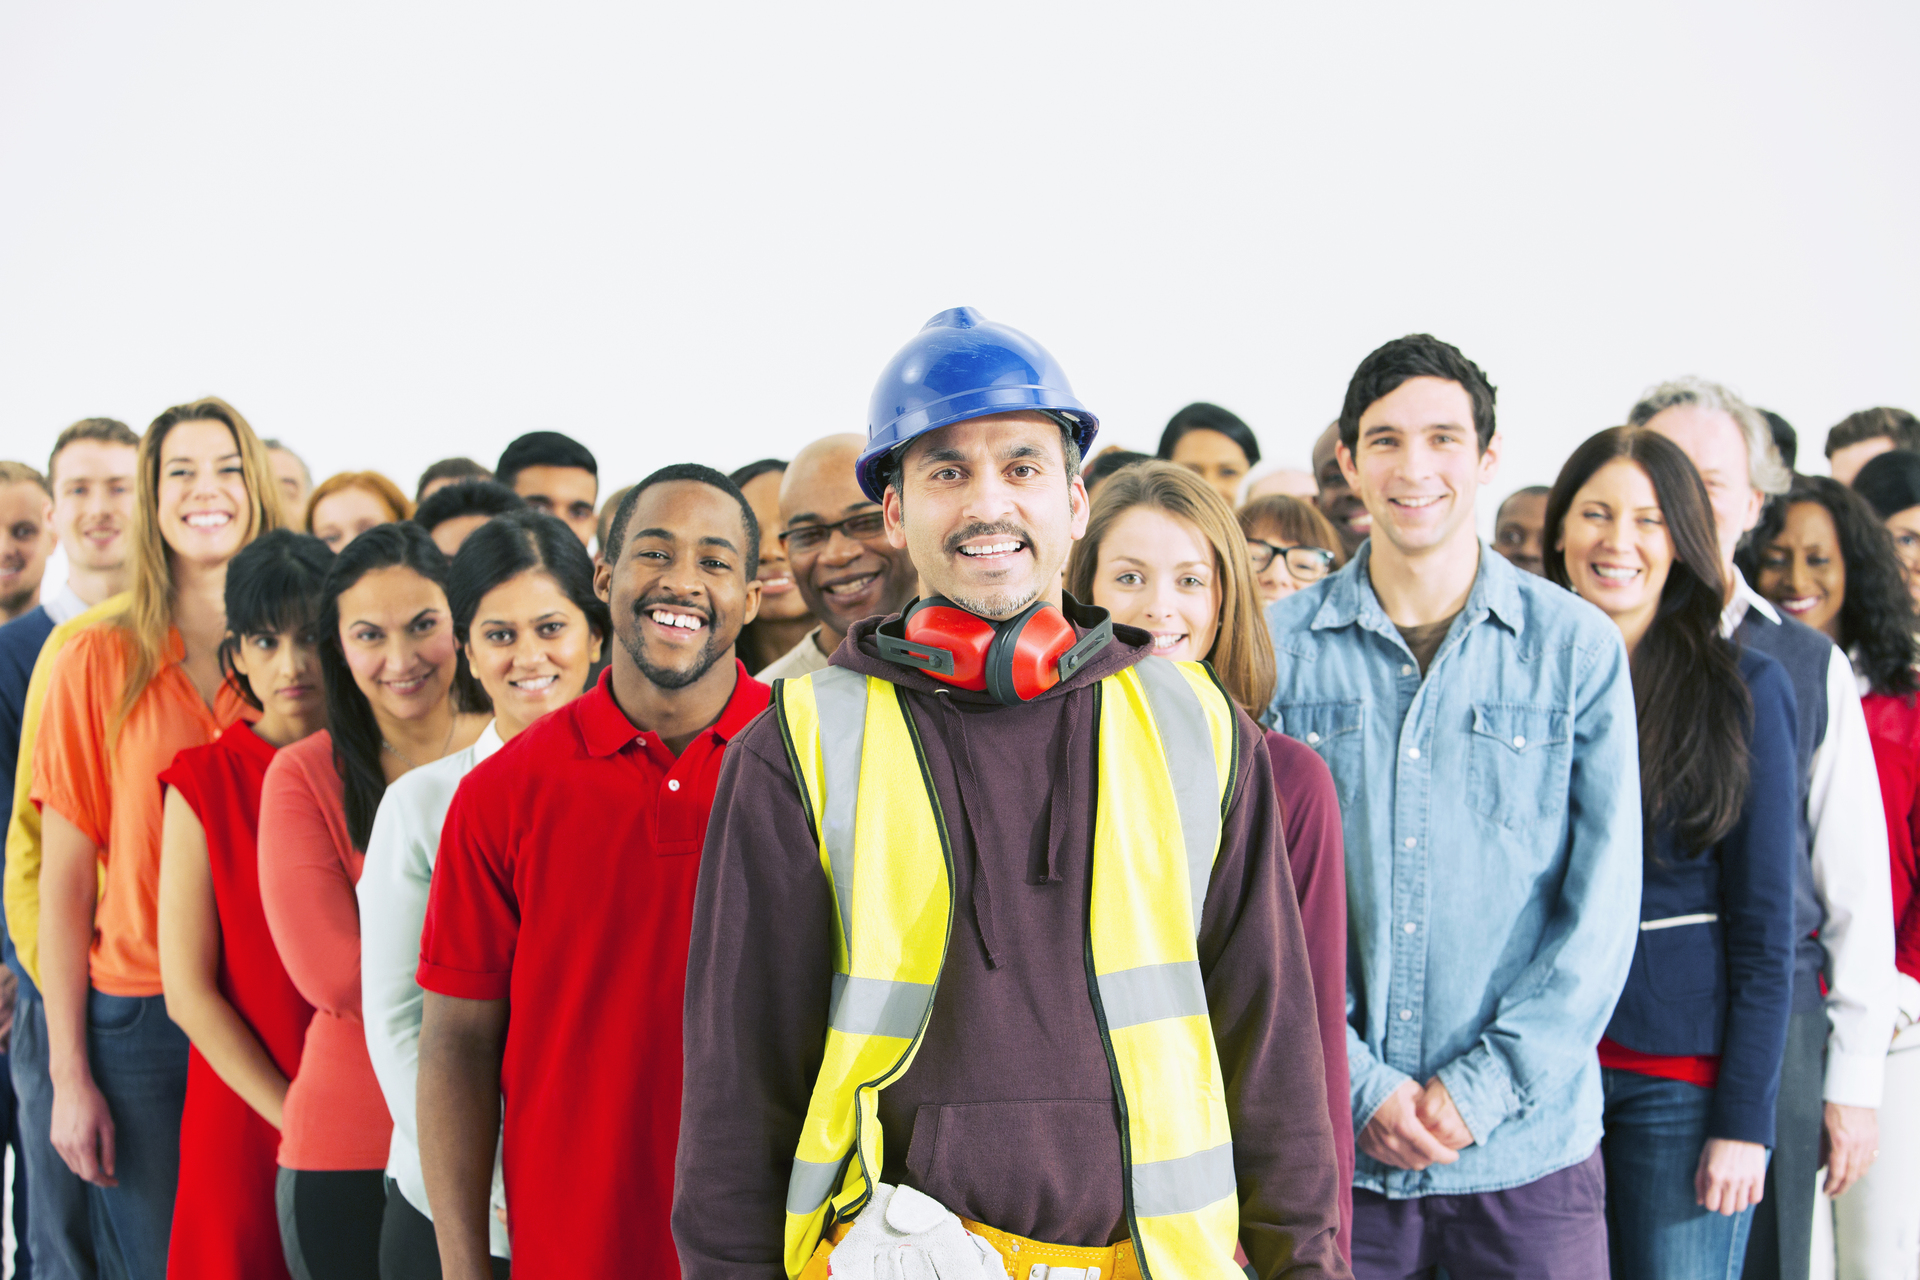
(904, 1235)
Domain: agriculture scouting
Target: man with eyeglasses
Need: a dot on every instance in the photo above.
(836, 543)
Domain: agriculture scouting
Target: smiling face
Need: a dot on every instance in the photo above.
(854, 572)
(26, 540)
(283, 670)
(1803, 571)
(1156, 571)
(531, 648)
(206, 514)
(1712, 439)
(1617, 548)
(1335, 497)
(780, 598)
(1417, 466)
(1215, 458)
(988, 513)
(93, 488)
(345, 514)
(679, 591)
(567, 492)
(397, 636)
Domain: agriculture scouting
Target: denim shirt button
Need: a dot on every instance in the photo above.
(1406, 1015)
(1411, 927)
(1406, 668)
(1412, 841)
(1312, 738)
(1519, 743)
(1413, 753)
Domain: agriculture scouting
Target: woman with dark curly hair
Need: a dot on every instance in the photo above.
(1823, 555)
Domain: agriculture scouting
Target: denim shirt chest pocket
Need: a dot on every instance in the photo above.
(1334, 730)
(1519, 764)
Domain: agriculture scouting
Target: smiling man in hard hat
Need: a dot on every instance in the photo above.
(996, 963)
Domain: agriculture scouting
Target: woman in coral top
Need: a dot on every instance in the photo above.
(225, 985)
(398, 696)
(124, 698)
(1822, 555)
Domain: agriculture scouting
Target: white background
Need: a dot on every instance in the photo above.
(390, 233)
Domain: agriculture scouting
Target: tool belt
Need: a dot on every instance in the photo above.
(1025, 1259)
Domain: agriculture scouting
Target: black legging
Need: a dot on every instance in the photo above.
(408, 1250)
(330, 1222)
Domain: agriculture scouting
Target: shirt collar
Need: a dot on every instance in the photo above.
(488, 742)
(66, 606)
(605, 729)
(1744, 598)
(1350, 597)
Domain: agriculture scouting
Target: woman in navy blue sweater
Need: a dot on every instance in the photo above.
(1692, 1056)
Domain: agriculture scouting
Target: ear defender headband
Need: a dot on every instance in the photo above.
(1016, 660)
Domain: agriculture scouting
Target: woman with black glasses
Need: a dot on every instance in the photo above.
(1290, 543)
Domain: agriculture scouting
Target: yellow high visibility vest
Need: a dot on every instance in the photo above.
(1167, 757)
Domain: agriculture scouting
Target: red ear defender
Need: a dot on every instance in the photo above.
(1016, 660)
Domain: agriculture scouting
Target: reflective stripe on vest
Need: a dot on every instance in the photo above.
(1167, 743)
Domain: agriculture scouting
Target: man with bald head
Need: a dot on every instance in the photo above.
(837, 547)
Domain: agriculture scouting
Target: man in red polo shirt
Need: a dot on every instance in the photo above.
(564, 893)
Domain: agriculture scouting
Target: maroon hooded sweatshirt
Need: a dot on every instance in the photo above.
(1008, 1114)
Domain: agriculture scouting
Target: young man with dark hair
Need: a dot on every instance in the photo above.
(555, 474)
(1518, 528)
(837, 548)
(445, 472)
(563, 893)
(453, 511)
(1110, 946)
(1844, 998)
(1479, 723)
(91, 470)
(1861, 436)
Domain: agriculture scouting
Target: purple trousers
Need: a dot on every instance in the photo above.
(1554, 1228)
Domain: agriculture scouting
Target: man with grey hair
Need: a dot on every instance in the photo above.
(1843, 897)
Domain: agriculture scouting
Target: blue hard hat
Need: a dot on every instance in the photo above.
(962, 365)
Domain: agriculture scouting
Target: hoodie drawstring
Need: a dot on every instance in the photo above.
(970, 788)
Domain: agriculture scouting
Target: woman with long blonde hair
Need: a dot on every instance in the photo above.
(123, 698)
(1164, 552)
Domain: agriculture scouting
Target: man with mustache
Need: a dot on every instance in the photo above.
(994, 907)
(1336, 498)
(563, 892)
(837, 545)
(91, 470)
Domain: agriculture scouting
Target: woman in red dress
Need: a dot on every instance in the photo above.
(225, 984)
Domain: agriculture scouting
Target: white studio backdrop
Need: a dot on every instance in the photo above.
(390, 233)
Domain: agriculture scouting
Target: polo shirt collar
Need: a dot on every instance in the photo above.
(1350, 597)
(605, 729)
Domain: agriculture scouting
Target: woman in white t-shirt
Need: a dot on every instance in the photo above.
(524, 611)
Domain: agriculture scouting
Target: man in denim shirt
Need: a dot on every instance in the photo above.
(1480, 726)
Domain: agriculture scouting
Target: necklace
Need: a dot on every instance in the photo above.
(409, 761)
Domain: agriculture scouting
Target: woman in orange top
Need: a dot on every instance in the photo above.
(125, 697)
(398, 696)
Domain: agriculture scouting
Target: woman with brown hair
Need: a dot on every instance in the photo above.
(123, 699)
(1290, 543)
(1163, 553)
(344, 506)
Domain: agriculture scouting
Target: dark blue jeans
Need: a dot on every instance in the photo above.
(139, 1060)
(1655, 1231)
(66, 1218)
